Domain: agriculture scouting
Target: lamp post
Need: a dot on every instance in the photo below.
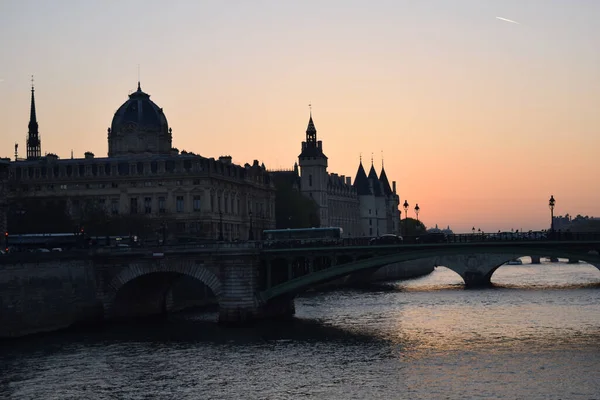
(221, 225)
(473, 230)
(251, 233)
(417, 209)
(405, 206)
(551, 205)
(400, 222)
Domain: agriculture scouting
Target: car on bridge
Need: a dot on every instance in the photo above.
(386, 239)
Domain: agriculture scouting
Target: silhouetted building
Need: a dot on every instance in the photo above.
(379, 202)
(144, 175)
(579, 223)
(4, 167)
(369, 207)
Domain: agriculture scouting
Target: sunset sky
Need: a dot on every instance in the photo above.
(479, 119)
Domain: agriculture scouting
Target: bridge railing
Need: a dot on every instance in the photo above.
(187, 246)
(556, 236)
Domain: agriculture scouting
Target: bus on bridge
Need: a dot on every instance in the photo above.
(280, 238)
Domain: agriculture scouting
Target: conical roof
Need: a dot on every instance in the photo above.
(310, 129)
(361, 182)
(387, 189)
(377, 189)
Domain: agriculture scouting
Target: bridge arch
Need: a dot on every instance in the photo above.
(475, 269)
(141, 271)
(474, 264)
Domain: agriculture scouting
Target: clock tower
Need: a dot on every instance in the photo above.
(313, 171)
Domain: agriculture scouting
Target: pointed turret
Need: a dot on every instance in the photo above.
(361, 182)
(374, 181)
(312, 147)
(385, 183)
(311, 131)
(34, 148)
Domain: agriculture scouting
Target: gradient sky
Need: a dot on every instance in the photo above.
(479, 120)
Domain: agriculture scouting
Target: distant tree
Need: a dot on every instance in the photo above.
(35, 215)
(411, 226)
(92, 218)
(292, 209)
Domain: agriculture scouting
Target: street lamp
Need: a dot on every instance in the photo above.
(417, 209)
(473, 230)
(551, 205)
(221, 225)
(405, 205)
(251, 233)
(400, 222)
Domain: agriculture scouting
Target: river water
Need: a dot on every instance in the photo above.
(535, 335)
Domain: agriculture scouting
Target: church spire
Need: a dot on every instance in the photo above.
(311, 131)
(34, 148)
(311, 147)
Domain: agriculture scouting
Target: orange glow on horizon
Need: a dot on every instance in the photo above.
(479, 120)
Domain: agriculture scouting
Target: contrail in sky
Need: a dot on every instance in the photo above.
(508, 20)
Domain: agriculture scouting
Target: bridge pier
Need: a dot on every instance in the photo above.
(476, 279)
(239, 303)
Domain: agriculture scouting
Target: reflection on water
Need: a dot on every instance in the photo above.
(535, 335)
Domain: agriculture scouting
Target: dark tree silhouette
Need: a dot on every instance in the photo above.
(292, 209)
(39, 216)
(411, 227)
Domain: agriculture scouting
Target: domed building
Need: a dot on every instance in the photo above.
(145, 182)
(139, 127)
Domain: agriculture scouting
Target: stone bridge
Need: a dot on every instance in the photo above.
(246, 282)
(295, 270)
(253, 283)
(144, 283)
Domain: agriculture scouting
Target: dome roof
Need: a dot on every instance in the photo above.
(139, 127)
(139, 113)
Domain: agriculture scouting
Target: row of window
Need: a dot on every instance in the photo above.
(126, 168)
(147, 204)
(114, 185)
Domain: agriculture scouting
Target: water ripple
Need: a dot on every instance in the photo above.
(536, 335)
